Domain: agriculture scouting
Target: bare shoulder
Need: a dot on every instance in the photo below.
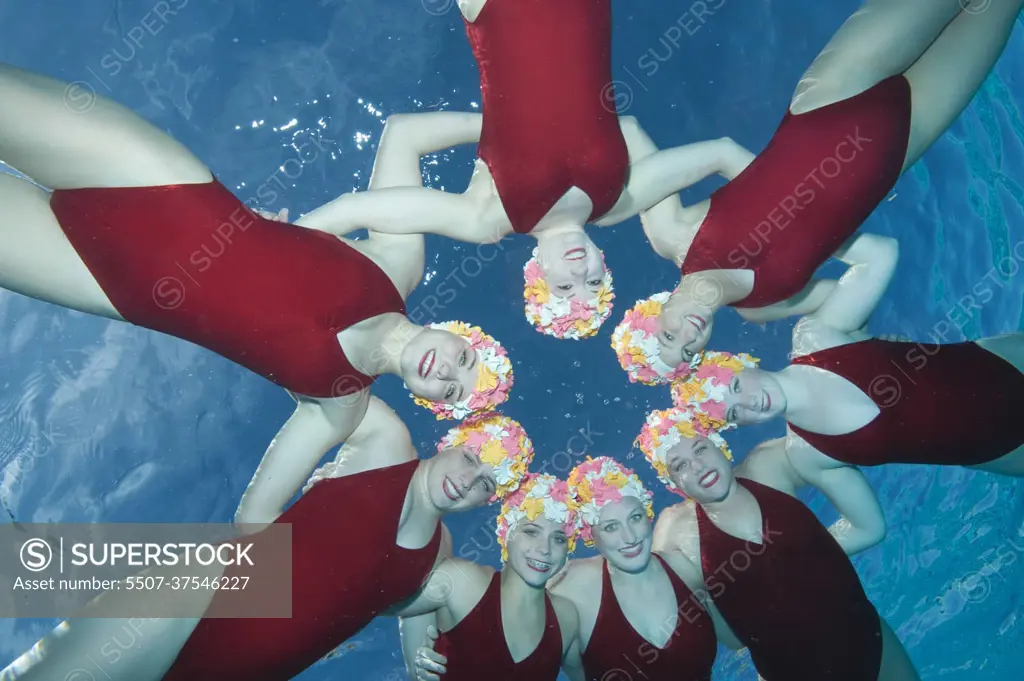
(768, 464)
(576, 577)
(684, 568)
(672, 525)
(568, 617)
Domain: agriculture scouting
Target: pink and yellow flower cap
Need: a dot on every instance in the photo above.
(664, 429)
(565, 317)
(500, 442)
(635, 341)
(600, 481)
(493, 382)
(539, 494)
(703, 391)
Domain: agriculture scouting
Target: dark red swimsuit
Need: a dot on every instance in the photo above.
(615, 646)
(956, 404)
(549, 119)
(795, 600)
(192, 261)
(819, 178)
(346, 570)
(476, 648)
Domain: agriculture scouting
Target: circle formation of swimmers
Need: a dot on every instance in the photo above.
(739, 560)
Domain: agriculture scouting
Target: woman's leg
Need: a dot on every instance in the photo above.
(36, 259)
(896, 663)
(66, 137)
(947, 76)
(881, 39)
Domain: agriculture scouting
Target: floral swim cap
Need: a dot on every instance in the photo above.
(635, 341)
(500, 442)
(597, 482)
(703, 392)
(539, 494)
(665, 429)
(494, 377)
(565, 317)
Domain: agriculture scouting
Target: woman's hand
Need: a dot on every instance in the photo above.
(280, 216)
(429, 663)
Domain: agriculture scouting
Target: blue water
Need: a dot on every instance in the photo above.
(106, 422)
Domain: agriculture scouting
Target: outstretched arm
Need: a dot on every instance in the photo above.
(656, 175)
(397, 202)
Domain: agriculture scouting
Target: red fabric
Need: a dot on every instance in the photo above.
(795, 600)
(819, 178)
(956, 404)
(476, 647)
(346, 570)
(614, 644)
(193, 262)
(549, 119)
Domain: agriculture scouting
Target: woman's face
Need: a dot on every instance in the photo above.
(537, 550)
(623, 535)
(572, 265)
(700, 470)
(439, 366)
(457, 480)
(754, 396)
(684, 329)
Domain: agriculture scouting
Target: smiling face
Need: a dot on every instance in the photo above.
(684, 329)
(457, 480)
(537, 550)
(572, 265)
(439, 366)
(754, 396)
(700, 470)
(623, 535)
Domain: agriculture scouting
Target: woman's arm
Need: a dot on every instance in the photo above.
(397, 203)
(806, 302)
(418, 635)
(313, 429)
(656, 175)
(872, 259)
(862, 524)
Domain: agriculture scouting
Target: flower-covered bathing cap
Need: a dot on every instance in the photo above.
(494, 378)
(565, 317)
(539, 494)
(500, 442)
(665, 429)
(704, 390)
(597, 482)
(635, 341)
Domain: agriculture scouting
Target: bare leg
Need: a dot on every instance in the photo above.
(66, 137)
(947, 76)
(36, 259)
(896, 663)
(881, 39)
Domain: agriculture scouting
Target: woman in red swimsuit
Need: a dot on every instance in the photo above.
(888, 84)
(129, 233)
(782, 582)
(638, 616)
(552, 157)
(366, 535)
(501, 624)
(851, 401)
